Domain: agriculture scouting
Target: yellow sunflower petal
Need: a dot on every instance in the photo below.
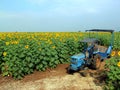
(118, 64)
(113, 53)
(119, 53)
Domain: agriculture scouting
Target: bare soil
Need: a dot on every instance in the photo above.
(56, 79)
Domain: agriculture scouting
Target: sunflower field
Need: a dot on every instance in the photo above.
(22, 53)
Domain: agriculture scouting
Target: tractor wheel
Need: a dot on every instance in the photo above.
(69, 71)
(96, 62)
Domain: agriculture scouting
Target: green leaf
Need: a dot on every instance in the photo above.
(41, 65)
(28, 59)
(44, 62)
(56, 62)
(37, 61)
(30, 54)
(3, 68)
(21, 55)
(31, 65)
(5, 73)
(43, 69)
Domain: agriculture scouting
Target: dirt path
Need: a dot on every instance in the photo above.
(54, 79)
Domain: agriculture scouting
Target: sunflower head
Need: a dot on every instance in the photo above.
(113, 53)
(4, 54)
(7, 43)
(118, 53)
(118, 64)
(27, 46)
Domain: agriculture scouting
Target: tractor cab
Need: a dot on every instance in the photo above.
(90, 46)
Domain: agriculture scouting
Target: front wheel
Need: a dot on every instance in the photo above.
(69, 71)
(96, 62)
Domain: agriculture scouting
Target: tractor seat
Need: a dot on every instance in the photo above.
(99, 48)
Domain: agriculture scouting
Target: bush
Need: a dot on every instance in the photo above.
(113, 73)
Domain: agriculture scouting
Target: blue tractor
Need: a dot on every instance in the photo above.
(92, 55)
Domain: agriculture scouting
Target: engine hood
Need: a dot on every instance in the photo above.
(79, 56)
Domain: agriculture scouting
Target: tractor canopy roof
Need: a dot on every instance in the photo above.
(100, 30)
(90, 40)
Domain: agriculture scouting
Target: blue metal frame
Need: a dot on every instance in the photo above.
(109, 49)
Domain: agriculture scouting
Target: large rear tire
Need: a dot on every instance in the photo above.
(96, 62)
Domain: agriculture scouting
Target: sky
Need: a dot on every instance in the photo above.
(58, 15)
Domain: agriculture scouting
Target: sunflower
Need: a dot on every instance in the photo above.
(27, 46)
(113, 53)
(4, 53)
(118, 53)
(118, 64)
(53, 47)
(7, 43)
